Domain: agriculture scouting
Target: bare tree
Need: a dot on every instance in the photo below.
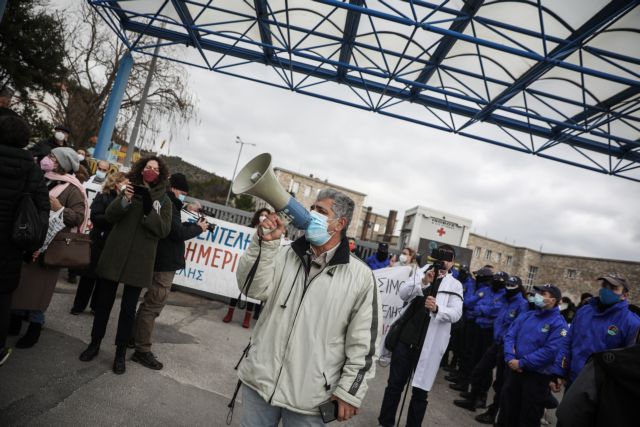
(93, 55)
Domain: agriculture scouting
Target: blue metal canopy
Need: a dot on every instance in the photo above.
(557, 79)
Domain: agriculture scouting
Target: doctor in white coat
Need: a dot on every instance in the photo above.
(424, 337)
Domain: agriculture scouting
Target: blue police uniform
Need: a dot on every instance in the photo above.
(374, 263)
(534, 339)
(488, 307)
(593, 330)
(510, 310)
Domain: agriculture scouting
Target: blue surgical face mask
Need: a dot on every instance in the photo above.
(317, 233)
(530, 298)
(101, 175)
(608, 297)
(181, 197)
(538, 300)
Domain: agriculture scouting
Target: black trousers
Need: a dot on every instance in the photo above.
(5, 315)
(233, 302)
(104, 299)
(403, 363)
(84, 293)
(498, 383)
(523, 398)
(470, 334)
(482, 373)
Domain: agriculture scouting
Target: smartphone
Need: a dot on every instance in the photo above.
(329, 411)
(140, 189)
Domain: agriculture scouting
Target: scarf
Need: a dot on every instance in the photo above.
(69, 179)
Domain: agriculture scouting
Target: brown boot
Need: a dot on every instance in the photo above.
(247, 320)
(229, 316)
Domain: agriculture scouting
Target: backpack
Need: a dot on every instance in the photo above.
(28, 230)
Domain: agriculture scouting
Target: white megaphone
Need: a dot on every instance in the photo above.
(257, 179)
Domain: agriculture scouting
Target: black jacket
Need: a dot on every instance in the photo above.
(606, 391)
(101, 227)
(170, 253)
(17, 172)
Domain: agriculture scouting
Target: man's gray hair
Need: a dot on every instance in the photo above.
(343, 205)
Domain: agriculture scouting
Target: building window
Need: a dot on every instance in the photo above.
(376, 228)
(307, 191)
(533, 272)
(293, 187)
(498, 257)
(509, 260)
(487, 255)
(477, 252)
(572, 274)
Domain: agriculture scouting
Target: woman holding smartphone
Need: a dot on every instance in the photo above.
(141, 216)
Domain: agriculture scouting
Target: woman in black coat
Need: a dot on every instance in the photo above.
(18, 174)
(99, 233)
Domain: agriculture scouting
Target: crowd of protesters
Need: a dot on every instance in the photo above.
(318, 336)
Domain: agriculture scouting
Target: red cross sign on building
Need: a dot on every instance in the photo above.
(441, 232)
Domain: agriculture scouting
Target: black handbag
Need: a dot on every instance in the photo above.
(29, 231)
(393, 335)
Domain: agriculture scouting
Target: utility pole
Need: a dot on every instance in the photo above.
(143, 101)
(242, 144)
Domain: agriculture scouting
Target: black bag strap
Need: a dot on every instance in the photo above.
(249, 280)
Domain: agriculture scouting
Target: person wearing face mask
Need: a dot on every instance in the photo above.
(407, 258)
(99, 232)
(59, 138)
(380, 259)
(531, 346)
(95, 183)
(319, 332)
(513, 306)
(602, 324)
(434, 304)
(38, 282)
(82, 157)
(259, 216)
(169, 259)
(19, 175)
(141, 216)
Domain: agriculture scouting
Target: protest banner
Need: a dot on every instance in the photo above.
(212, 258)
(389, 281)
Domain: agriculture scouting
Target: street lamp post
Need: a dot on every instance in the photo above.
(242, 144)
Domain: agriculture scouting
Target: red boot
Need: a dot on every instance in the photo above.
(247, 320)
(229, 315)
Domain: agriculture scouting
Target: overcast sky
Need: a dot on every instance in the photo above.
(509, 196)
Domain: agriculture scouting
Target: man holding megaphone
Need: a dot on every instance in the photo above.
(314, 348)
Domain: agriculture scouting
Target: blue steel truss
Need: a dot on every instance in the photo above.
(556, 79)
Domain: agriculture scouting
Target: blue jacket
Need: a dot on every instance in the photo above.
(593, 331)
(471, 301)
(488, 307)
(510, 310)
(469, 288)
(374, 264)
(535, 338)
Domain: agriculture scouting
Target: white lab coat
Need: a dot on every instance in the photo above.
(449, 300)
